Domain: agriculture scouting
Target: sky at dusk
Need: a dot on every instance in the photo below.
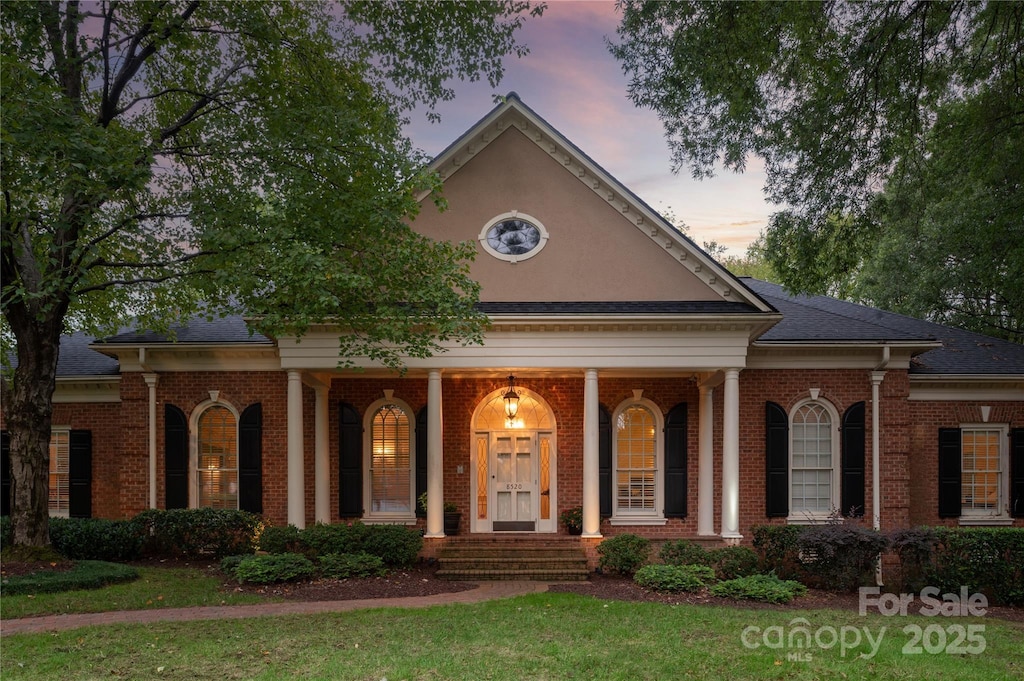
(570, 79)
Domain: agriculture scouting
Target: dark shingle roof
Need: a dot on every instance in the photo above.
(812, 319)
(78, 359)
(231, 329)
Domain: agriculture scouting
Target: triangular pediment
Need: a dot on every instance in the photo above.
(598, 241)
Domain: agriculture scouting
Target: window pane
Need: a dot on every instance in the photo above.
(391, 462)
(981, 474)
(218, 459)
(60, 450)
(811, 460)
(636, 462)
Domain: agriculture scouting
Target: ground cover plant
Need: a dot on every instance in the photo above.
(83, 574)
(156, 587)
(542, 636)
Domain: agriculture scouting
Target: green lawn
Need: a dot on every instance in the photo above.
(155, 588)
(543, 636)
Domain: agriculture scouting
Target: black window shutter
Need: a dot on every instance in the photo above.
(175, 457)
(604, 460)
(949, 473)
(1017, 472)
(250, 459)
(350, 462)
(675, 462)
(853, 455)
(421, 458)
(776, 458)
(5, 473)
(80, 474)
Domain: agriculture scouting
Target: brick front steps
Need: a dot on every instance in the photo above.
(555, 559)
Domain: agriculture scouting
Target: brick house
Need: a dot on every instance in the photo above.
(625, 372)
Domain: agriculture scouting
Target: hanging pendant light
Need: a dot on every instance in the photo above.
(511, 399)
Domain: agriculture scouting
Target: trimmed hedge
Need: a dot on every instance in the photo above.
(624, 553)
(841, 557)
(684, 552)
(395, 545)
(269, 569)
(345, 565)
(97, 539)
(200, 532)
(86, 574)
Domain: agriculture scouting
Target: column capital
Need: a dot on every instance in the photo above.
(151, 379)
(876, 377)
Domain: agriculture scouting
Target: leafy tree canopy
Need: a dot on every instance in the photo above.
(858, 110)
(161, 158)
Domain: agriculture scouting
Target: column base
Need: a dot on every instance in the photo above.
(434, 535)
(733, 539)
(592, 535)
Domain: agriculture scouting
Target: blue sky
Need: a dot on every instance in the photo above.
(572, 80)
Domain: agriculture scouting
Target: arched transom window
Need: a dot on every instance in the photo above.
(813, 487)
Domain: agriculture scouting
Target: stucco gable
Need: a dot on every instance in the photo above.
(605, 244)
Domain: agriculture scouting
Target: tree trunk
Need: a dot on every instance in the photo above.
(29, 411)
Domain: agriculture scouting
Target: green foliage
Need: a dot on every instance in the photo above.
(196, 532)
(345, 565)
(97, 539)
(336, 538)
(5, 530)
(572, 519)
(396, 545)
(778, 546)
(674, 578)
(229, 564)
(915, 548)
(623, 553)
(764, 588)
(86, 574)
(989, 560)
(282, 539)
(841, 557)
(684, 552)
(270, 569)
(842, 100)
(735, 561)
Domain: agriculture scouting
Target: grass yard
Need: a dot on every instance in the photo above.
(155, 588)
(543, 636)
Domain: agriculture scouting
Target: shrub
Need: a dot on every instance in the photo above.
(338, 538)
(624, 553)
(86, 574)
(229, 564)
(396, 545)
(196, 532)
(841, 557)
(988, 560)
(765, 588)
(731, 562)
(777, 545)
(268, 569)
(915, 548)
(674, 578)
(282, 539)
(6, 533)
(684, 552)
(97, 539)
(345, 565)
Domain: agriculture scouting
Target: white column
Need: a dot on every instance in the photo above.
(435, 457)
(876, 513)
(706, 471)
(151, 381)
(591, 456)
(296, 480)
(731, 457)
(322, 462)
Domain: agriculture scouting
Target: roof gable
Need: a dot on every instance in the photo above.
(673, 266)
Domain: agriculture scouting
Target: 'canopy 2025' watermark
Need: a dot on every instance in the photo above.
(952, 638)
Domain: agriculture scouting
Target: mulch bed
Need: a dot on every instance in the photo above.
(421, 580)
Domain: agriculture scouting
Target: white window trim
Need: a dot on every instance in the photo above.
(193, 445)
(369, 517)
(1000, 515)
(817, 517)
(639, 516)
(513, 215)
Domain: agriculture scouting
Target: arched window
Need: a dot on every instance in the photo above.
(217, 464)
(638, 461)
(814, 460)
(391, 466)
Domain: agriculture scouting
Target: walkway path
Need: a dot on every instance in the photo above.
(484, 592)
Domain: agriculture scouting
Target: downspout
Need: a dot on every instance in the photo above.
(876, 505)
